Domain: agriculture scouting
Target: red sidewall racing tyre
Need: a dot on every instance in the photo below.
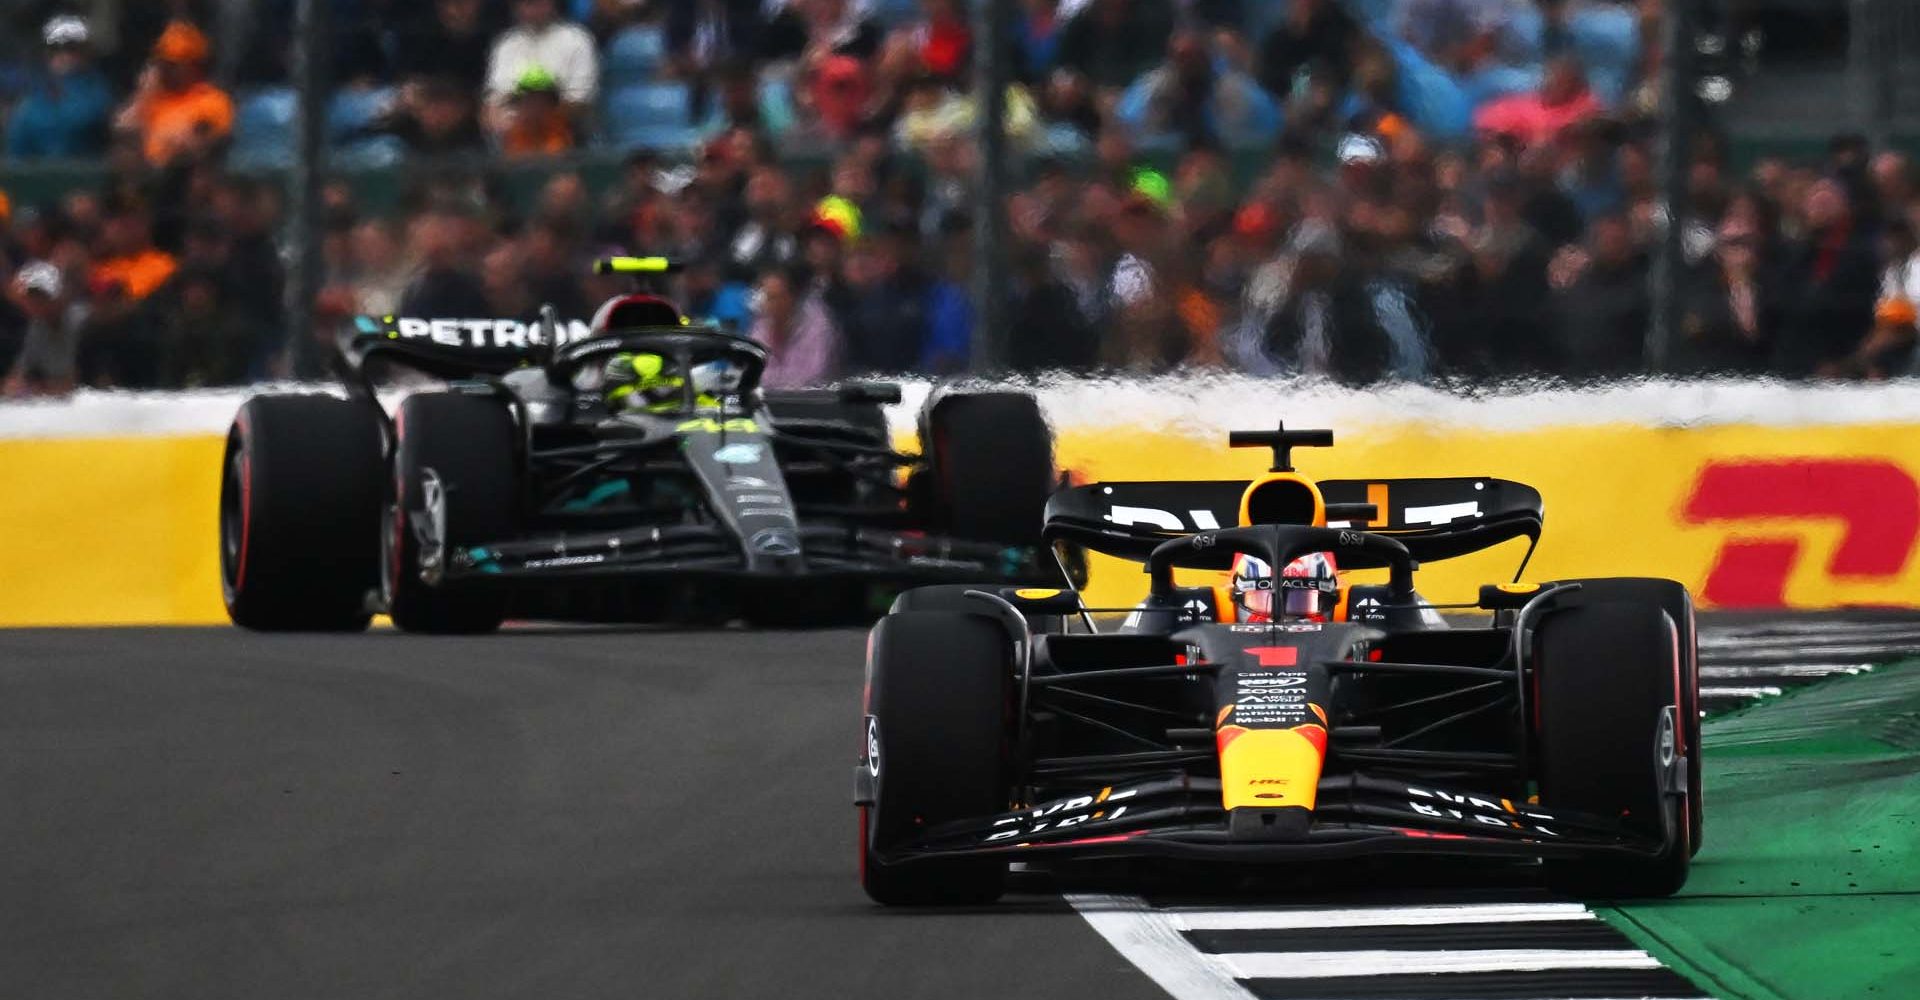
(300, 513)
(1603, 674)
(471, 445)
(937, 726)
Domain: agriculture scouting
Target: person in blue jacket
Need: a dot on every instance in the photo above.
(64, 113)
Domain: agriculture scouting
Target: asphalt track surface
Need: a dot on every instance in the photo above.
(559, 812)
(564, 814)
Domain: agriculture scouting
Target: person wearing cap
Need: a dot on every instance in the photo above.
(176, 112)
(536, 124)
(541, 37)
(65, 110)
(49, 353)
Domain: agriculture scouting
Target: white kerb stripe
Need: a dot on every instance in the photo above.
(1326, 964)
(1376, 916)
(1149, 940)
(1740, 692)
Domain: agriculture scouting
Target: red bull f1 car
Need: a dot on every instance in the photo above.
(1561, 730)
(529, 486)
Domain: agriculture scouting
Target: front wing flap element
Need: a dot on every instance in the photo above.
(691, 550)
(1356, 815)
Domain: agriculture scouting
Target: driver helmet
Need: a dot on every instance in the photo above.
(639, 381)
(1309, 587)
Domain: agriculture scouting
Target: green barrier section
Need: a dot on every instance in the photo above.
(1809, 884)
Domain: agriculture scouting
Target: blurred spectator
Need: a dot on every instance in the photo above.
(535, 124)
(451, 44)
(1729, 321)
(1190, 96)
(119, 344)
(1563, 100)
(838, 89)
(950, 320)
(709, 34)
(802, 343)
(48, 357)
(1112, 42)
(1050, 331)
(205, 342)
(541, 38)
(64, 113)
(884, 321)
(812, 30)
(1604, 309)
(1312, 33)
(1888, 349)
(1320, 321)
(1829, 285)
(175, 111)
(435, 118)
(442, 285)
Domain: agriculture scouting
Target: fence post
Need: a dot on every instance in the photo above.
(992, 273)
(311, 34)
(1679, 116)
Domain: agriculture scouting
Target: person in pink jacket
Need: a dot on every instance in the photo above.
(1562, 100)
(803, 345)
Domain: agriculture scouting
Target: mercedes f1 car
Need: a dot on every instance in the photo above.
(1562, 731)
(521, 489)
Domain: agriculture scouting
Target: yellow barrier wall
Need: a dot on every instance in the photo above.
(110, 531)
(106, 531)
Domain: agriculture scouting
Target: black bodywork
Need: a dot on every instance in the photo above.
(1430, 729)
(767, 496)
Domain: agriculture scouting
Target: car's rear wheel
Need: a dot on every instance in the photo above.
(1604, 673)
(939, 689)
(299, 505)
(1672, 597)
(990, 466)
(465, 447)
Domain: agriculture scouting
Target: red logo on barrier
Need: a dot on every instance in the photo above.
(1876, 501)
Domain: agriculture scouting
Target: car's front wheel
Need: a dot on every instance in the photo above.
(1606, 683)
(938, 714)
(456, 454)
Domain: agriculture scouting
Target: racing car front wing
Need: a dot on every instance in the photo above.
(711, 551)
(1357, 815)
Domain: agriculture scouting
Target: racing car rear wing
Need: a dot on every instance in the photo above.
(1434, 518)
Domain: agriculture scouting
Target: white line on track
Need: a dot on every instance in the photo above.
(1328, 964)
(1715, 638)
(1803, 654)
(1764, 691)
(1148, 938)
(1784, 670)
(1826, 630)
(1383, 916)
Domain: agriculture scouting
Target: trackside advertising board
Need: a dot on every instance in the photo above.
(123, 530)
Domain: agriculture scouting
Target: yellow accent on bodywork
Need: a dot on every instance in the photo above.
(736, 425)
(1268, 768)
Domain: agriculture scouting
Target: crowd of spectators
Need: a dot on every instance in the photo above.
(1360, 189)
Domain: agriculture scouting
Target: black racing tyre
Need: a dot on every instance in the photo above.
(1602, 674)
(1673, 598)
(990, 465)
(471, 445)
(953, 597)
(942, 597)
(299, 513)
(938, 719)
